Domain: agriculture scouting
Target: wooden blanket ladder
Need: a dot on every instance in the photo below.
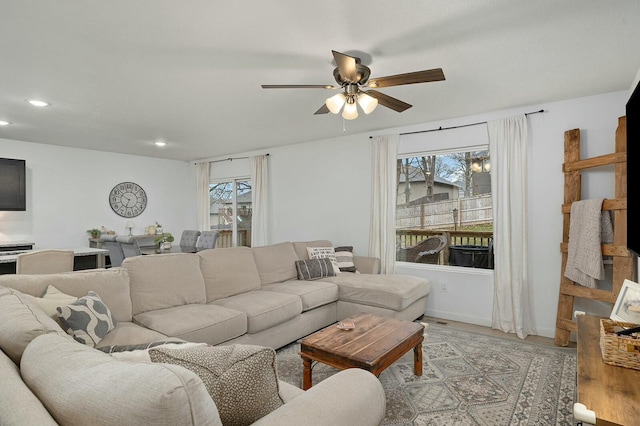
(622, 260)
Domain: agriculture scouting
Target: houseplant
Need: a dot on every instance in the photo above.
(94, 233)
(164, 240)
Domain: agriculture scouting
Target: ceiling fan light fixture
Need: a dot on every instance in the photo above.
(367, 103)
(335, 103)
(350, 111)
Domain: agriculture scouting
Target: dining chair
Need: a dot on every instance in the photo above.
(207, 240)
(116, 256)
(45, 262)
(189, 238)
(129, 245)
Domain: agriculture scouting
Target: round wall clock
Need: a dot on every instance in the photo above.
(128, 199)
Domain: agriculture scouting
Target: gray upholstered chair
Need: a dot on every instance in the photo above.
(207, 240)
(129, 246)
(189, 238)
(45, 262)
(116, 256)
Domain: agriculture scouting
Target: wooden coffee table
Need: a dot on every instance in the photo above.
(373, 345)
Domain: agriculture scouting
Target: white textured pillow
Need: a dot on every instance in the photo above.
(51, 300)
(322, 253)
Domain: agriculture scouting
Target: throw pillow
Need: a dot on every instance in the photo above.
(88, 319)
(314, 268)
(241, 379)
(51, 300)
(344, 258)
(324, 252)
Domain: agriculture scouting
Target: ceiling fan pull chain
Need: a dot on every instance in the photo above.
(344, 125)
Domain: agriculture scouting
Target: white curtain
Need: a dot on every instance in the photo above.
(259, 198)
(202, 196)
(382, 234)
(508, 148)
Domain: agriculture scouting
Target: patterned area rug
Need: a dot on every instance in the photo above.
(468, 379)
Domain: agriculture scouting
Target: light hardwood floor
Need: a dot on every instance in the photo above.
(547, 341)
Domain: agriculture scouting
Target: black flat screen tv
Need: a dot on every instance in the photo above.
(13, 192)
(633, 156)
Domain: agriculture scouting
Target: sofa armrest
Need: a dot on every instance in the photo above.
(367, 265)
(349, 397)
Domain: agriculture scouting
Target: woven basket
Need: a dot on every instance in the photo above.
(623, 351)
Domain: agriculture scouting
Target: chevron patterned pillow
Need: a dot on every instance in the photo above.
(88, 319)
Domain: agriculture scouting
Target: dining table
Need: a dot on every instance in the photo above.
(173, 249)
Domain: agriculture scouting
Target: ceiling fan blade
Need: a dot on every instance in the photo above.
(322, 110)
(388, 101)
(298, 86)
(347, 65)
(425, 76)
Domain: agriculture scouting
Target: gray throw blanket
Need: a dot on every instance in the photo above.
(589, 227)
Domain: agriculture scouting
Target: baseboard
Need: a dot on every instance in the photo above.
(457, 316)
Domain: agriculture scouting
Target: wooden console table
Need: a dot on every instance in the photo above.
(611, 392)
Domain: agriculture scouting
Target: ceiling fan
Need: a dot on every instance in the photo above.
(352, 76)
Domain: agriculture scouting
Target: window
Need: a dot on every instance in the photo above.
(444, 210)
(230, 210)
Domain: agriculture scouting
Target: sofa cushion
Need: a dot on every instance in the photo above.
(300, 247)
(264, 309)
(18, 405)
(129, 333)
(344, 258)
(80, 385)
(87, 319)
(389, 291)
(312, 269)
(210, 324)
(160, 281)
(228, 271)
(241, 379)
(52, 299)
(111, 284)
(21, 321)
(312, 293)
(275, 262)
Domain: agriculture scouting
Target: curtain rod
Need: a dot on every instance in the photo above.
(227, 159)
(457, 127)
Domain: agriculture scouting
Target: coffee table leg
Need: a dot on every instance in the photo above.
(417, 360)
(306, 373)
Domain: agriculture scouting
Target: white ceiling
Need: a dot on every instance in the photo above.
(121, 74)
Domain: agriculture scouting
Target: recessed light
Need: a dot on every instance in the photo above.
(38, 103)
(160, 143)
(4, 123)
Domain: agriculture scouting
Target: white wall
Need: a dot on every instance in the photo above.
(322, 190)
(68, 192)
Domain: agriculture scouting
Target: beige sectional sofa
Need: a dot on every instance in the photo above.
(219, 297)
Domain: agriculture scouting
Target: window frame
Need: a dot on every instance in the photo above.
(442, 152)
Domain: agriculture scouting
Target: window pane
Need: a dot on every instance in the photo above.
(230, 210)
(243, 213)
(443, 209)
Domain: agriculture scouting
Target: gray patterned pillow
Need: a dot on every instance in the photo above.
(241, 379)
(87, 319)
(344, 258)
(312, 269)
